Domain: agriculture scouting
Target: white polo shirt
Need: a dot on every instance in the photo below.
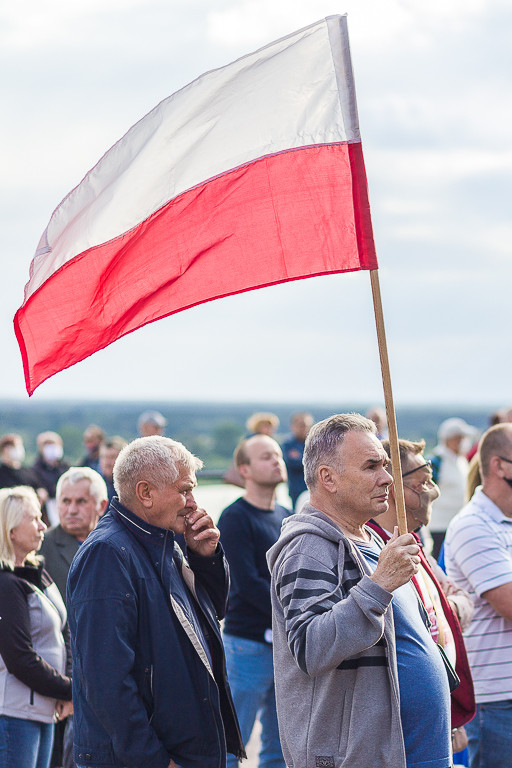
(478, 554)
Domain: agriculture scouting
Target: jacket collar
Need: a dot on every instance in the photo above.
(29, 572)
(136, 525)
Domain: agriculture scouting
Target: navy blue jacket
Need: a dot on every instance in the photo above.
(144, 690)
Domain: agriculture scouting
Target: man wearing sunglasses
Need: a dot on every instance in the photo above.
(447, 607)
(478, 554)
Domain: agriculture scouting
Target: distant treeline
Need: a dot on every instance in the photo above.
(211, 430)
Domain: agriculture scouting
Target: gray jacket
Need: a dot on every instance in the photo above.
(58, 550)
(334, 651)
(33, 656)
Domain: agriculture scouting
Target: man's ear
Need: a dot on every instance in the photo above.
(326, 478)
(102, 507)
(243, 470)
(143, 493)
(497, 466)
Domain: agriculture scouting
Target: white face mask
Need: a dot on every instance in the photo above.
(16, 453)
(52, 452)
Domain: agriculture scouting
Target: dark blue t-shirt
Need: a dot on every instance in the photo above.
(422, 678)
(246, 534)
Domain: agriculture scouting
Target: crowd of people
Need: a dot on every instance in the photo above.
(353, 645)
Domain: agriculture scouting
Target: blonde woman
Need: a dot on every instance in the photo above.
(34, 687)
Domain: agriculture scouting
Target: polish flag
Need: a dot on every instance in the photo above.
(251, 175)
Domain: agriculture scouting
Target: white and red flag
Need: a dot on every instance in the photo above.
(252, 175)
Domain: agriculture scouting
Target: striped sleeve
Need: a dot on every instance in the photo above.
(482, 553)
(329, 621)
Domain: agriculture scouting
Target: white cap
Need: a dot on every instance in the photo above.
(154, 417)
(455, 427)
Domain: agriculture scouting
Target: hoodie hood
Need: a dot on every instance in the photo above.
(309, 520)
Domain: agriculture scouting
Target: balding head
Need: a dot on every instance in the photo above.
(259, 460)
(497, 441)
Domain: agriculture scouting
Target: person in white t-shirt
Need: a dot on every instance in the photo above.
(478, 555)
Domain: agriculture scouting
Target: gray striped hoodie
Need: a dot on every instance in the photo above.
(334, 651)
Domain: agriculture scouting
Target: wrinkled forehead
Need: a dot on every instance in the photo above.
(358, 447)
(81, 487)
(186, 477)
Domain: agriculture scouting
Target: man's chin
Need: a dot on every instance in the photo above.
(382, 507)
(179, 525)
(73, 530)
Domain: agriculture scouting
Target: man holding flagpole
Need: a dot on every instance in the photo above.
(359, 680)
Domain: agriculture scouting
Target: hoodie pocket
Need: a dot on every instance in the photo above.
(346, 716)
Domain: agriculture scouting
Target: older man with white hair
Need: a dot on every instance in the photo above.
(81, 500)
(149, 679)
(81, 497)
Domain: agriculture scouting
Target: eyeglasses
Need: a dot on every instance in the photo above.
(428, 464)
(509, 461)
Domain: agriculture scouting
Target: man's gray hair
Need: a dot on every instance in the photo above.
(325, 438)
(97, 489)
(156, 459)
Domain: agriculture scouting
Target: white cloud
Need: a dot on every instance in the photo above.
(445, 165)
(371, 22)
(432, 81)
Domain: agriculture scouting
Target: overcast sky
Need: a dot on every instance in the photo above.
(433, 84)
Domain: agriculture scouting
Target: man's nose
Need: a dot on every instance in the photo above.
(387, 478)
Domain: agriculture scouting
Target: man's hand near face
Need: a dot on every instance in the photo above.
(201, 534)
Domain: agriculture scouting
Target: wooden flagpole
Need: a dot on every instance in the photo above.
(388, 401)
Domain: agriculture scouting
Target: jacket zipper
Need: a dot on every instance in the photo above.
(214, 720)
(151, 690)
(162, 559)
